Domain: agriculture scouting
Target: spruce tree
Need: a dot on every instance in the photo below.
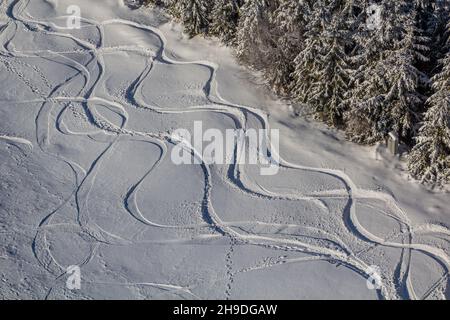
(194, 14)
(386, 86)
(429, 160)
(268, 42)
(289, 22)
(254, 35)
(322, 68)
(225, 16)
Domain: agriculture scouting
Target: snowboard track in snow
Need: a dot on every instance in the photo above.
(51, 116)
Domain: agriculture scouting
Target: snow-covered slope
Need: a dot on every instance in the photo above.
(86, 122)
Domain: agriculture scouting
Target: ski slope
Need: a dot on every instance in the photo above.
(86, 123)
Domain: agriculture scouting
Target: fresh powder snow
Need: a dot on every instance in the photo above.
(93, 207)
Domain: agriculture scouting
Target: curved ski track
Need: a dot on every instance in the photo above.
(84, 179)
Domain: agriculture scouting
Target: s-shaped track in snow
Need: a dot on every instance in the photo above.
(237, 178)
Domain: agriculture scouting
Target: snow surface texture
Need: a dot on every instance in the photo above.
(86, 177)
